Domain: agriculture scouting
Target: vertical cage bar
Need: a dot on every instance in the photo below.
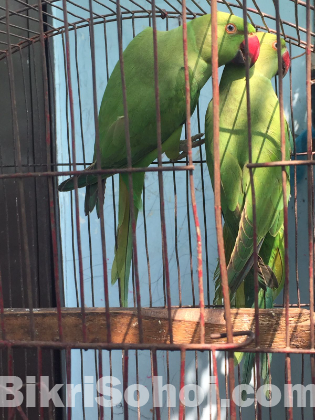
(40, 374)
(226, 383)
(197, 384)
(100, 375)
(191, 179)
(160, 174)
(270, 406)
(18, 158)
(82, 382)
(176, 239)
(113, 178)
(152, 387)
(217, 390)
(250, 158)
(189, 234)
(310, 183)
(285, 380)
(255, 391)
(284, 176)
(181, 415)
(204, 208)
(240, 393)
(302, 383)
(137, 381)
(168, 381)
(99, 180)
(147, 245)
(155, 374)
(49, 179)
(70, 167)
(111, 385)
(10, 373)
(210, 383)
(285, 207)
(76, 194)
(289, 382)
(217, 197)
(68, 372)
(125, 360)
(295, 187)
(129, 160)
(84, 161)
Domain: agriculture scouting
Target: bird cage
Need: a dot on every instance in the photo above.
(69, 347)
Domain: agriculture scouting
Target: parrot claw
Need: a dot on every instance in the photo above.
(196, 141)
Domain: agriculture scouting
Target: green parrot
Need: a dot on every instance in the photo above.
(139, 78)
(236, 198)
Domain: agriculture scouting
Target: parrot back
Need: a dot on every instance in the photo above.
(141, 101)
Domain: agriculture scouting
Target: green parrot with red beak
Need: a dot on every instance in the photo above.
(236, 192)
(140, 85)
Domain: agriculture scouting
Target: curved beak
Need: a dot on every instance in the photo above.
(286, 62)
(253, 51)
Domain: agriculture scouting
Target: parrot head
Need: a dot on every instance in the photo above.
(230, 32)
(231, 40)
(253, 51)
(267, 63)
(286, 61)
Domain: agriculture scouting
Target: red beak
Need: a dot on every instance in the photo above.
(286, 62)
(253, 51)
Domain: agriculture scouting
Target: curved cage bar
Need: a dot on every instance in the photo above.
(28, 13)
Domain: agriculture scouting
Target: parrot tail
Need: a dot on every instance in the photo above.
(91, 198)
(228, 248)
(265, 301)
(91, 184)
(248, 364)
(83, 180)
(266, 276)
(271, 276)
(265, 373)
(272, 252)
(124, 249)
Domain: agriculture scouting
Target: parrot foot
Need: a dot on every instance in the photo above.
(196, 141)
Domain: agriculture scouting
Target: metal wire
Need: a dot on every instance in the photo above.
(130, 14)
(45, 22)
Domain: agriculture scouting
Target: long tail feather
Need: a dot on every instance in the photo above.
(248, 364)
(91, 198)
(265, 372)
(123, 253)
(265, 300)
(271, 273)
(83, 180)
(264, 369)
(228, 248)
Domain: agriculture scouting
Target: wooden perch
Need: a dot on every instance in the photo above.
(124, 325)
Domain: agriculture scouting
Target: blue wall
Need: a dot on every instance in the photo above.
(85, 133)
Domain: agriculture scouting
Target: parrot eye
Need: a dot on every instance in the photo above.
(275, 45)
(231, 28)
